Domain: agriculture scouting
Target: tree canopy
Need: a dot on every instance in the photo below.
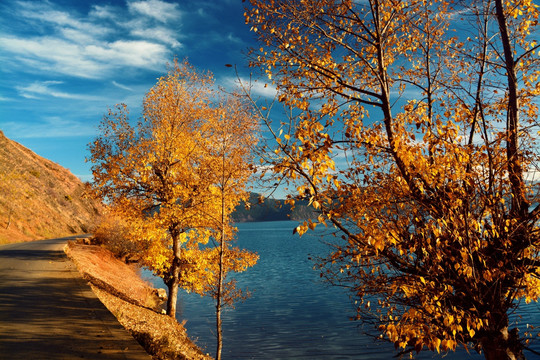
(415, 136)
(162, 176)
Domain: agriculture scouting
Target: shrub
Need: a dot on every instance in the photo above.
(111, 232)
(35, 173)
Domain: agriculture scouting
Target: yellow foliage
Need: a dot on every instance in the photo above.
(176, 176)
(401, 138)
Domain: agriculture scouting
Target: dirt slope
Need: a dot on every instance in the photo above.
(134, 303)
(38, 198)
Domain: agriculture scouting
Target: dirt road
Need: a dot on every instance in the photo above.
(47, 311)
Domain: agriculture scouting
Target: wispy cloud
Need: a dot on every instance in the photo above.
(87, 46)
(48, 127)
(162, 34)
(46, 14)
(159, 10)
(36, 53)
(38, 89)
(232, 38)
(256, 88)
(128, 53)
(124, 87)
(103, 12)
(65, 62)
(201, 12)
(263, 89)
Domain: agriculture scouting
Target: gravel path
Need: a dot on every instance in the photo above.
(47, 311)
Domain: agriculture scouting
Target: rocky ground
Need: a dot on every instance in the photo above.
(134, 302)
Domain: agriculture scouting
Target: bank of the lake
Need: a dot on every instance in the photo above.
(133, 302)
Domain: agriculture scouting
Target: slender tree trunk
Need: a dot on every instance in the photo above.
(219, 325)
(220, 284)
(505, 345)
(515, 170)
(175, 278)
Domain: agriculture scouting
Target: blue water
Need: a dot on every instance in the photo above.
(291, 314)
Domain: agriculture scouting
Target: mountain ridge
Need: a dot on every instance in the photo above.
(258, 209)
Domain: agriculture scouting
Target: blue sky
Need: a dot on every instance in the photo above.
(64, 62)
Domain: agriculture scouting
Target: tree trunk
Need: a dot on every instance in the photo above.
(219, 330)
(175, 276)
(172, 298)
(515, 171)
(220, 284)
(502, 346)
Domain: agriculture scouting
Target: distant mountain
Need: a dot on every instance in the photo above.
(39, 198)
(271, 210)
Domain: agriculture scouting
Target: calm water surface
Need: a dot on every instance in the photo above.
(291, 314)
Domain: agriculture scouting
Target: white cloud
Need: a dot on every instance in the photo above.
(121, 86)
(255, 87)
(49, 127)
(87, 61)
(457, 13)
(131, 53)
(45, 13)
(47, 54)
(76, 36)
(161, 34)
(234, 39)
(86, 46)
(263, 89)
(532, 174)
(102, 12)
(159, 10)
(37, 88)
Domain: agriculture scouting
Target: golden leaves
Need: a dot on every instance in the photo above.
(400, 143)
(177, 176)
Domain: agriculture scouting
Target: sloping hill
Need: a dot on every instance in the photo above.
(272, 210)
(39, 198)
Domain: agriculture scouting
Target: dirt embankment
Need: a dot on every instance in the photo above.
(40, 199)
(134, 303)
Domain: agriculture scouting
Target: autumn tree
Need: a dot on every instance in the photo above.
(152, 175)
(231, 150)
(414, 136)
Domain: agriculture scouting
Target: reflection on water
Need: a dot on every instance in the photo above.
(291, 313)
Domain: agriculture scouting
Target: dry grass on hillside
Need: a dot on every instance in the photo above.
(38, 198)
(133, 302)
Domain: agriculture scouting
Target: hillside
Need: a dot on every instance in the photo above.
(38, 198)
(272, 210)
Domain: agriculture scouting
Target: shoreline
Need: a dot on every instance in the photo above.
(134, 302)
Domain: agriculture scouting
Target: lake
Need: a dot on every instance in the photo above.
(291, 314)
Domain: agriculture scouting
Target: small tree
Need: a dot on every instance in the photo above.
(176, 178)
(152, 175)
(231, 150)
(414, 141)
